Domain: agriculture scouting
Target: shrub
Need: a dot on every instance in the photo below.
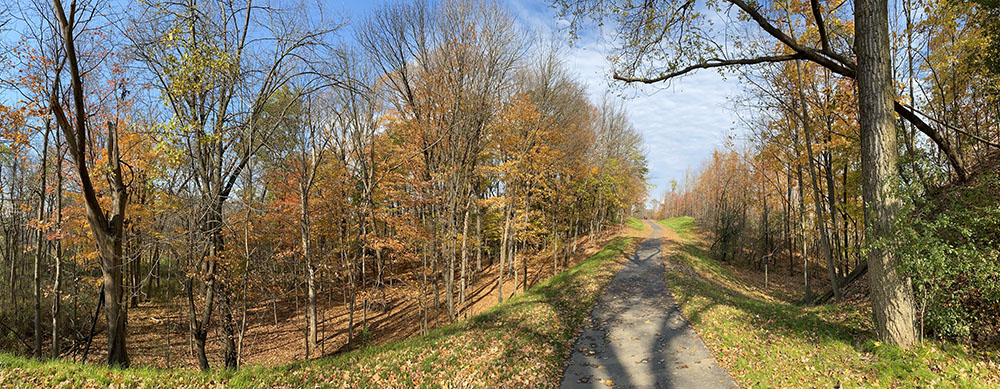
(950, 246)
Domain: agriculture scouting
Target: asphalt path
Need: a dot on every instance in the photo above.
(637, 337)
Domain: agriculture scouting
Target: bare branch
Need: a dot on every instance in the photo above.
(712, 63)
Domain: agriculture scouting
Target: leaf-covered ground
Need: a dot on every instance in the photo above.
(519, 343)
(766, 341)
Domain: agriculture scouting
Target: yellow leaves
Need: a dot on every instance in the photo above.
(199, 67)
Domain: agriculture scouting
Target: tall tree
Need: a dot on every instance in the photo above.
(105, 224)
(892, 296)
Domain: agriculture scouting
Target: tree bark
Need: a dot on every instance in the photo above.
(891, 294)
(57, 275)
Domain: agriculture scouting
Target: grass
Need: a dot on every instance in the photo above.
(636, 224)
(521, 342)
(768, 342)
(682, 225)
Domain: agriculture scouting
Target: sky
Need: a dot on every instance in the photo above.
(681, 123)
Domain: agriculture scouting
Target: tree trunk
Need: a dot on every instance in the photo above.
(504, 240)
(57, 275)
(40, 242)
(310, 266)
(817, 202)
(891, 295)
(106, 225)
(788, 228)
(802, 224)
(465, 256)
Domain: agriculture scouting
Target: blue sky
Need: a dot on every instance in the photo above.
(681, 123)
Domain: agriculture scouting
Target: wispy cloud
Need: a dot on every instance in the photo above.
(681, 123)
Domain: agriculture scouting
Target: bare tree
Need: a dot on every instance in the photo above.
(106, 224)
(218, 65)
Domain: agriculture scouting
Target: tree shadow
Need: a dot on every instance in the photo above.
(778, 317)
(633, 330)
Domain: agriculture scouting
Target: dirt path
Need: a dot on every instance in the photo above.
(636, 337)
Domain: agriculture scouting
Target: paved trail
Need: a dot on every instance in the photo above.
(636, 337)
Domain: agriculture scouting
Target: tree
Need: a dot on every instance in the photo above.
(105, 224)
(892, 296)
(217, 74)
(684, 37)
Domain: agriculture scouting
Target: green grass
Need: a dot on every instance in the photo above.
(636, 224)
(521, 342)
(683, 225)
(767, 342)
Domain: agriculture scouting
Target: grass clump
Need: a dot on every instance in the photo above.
(766, 341)
(519, 343)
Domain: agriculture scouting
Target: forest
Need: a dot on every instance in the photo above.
(266, 193)
(183, 171)
(797, 193)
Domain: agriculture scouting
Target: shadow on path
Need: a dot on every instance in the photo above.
(636, 336)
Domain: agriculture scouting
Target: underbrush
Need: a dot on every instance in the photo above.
(950, 247)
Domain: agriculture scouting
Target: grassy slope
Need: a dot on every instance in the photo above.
(636, 224)
(766, 342)
(520, 342)
(681, 225)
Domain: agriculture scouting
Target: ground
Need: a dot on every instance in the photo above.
(636, 337)
(158, 330)
(521, 342)
(765, 339)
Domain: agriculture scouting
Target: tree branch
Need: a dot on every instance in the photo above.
(836, 63)
(818, 15)
(953, 128)
(712, 63)
(941, 142)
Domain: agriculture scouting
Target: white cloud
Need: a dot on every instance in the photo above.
(681, 123)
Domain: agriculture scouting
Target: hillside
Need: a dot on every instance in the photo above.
(766, 339)
(522, 341)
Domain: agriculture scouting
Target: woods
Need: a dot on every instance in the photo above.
(862, 124)
(227, 159)
(435, 192)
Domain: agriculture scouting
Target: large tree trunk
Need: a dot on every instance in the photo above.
(891, 295)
